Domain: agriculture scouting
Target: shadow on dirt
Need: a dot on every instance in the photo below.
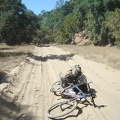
(3, 77)
(7, 48)
(79, 111)
(43, 45)
(9, 54)
(85, 103)
(64, 57)
(10, 111)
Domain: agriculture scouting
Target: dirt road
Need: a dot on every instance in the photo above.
(28, 96)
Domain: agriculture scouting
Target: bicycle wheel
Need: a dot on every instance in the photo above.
(56, 88)
(61, 108)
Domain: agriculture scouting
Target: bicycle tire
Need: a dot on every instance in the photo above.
(56, 88)
(72, 103)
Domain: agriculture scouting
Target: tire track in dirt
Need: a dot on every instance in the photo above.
(31, 94)
(26, 95)
(90, 111)
(42, 70)
(59, 65)
(63, 65)
(68, 64)
(107, 90)
(74, 115)
(35, 96)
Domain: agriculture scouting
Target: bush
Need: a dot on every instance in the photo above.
(113, 24)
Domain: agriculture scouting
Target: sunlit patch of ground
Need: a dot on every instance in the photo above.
(107, 55)
(12, 56)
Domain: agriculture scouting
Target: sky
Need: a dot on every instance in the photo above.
(38, 5)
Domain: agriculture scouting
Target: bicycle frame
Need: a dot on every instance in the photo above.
(80, 94)
(70, 92)
(67, 106)
(64, 91)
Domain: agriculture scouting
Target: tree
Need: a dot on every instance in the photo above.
(71, 26)
(59, 3)
(2, 6)
(17, 24)
(113, 24)
(59, 33)
(29, 23)
(67, 8)
(81, 15)
(43, 35)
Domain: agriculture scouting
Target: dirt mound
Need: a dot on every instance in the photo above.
(80, 39)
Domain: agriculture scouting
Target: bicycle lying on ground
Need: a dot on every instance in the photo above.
(65, 107)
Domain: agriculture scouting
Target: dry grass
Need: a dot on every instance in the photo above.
(107, 55)
(12, 56)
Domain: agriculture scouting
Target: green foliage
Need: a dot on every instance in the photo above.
(29, 22)
(43, 36)
(78, 15)
(59, 33)
(2, 6)
(71, 25)
(9, 27)
(59, 3)
(113, 24)
(98, 18)
(17, 25)
(67, 8)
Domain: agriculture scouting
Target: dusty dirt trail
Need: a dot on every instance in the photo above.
(28, 96)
